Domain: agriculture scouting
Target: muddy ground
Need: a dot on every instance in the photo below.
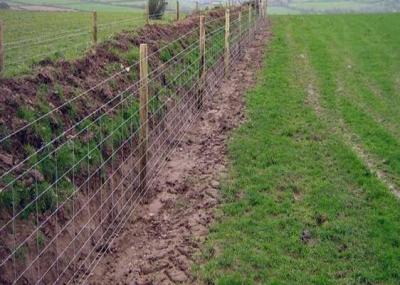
(159, 242)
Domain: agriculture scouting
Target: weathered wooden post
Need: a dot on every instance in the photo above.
(94, 27)
(202, 66)
(227, 50)
(240, 31)
(147, 12)
(1, 48)
(143, 112)
(177, 10)
(263, 8)
(249, 29)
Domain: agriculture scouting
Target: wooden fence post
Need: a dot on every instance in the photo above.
(94, 27)
(202, 66)
(227, 50)
(249, 29)
(240, 30)
(177, 10)
(263, 8)
(147, 12)
(143, 110)
(1, 48)
(197, 6)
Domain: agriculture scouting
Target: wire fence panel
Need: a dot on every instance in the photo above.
(71, 194)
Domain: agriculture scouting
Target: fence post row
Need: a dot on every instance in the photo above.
(227, 51)
(1, 47)
(177, 10)
(202, 66)
(94, 27)
(143, 110)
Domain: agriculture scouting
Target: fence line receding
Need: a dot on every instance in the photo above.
(67, 199)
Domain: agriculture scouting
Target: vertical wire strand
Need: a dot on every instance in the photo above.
(73, 204)
(37, 225)
(56, 218)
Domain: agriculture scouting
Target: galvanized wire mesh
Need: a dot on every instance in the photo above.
(71, 194)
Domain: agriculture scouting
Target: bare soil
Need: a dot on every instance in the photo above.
(159, 242)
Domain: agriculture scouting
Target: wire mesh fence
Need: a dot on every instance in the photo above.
(77, 182)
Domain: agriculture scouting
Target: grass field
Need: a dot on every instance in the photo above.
(31, 37)
(328, 6)
(100, 5)
(308, 197)
(105, 6)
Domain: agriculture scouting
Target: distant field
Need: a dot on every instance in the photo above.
(313, 191)
(31, 37)
(107, 6)
(337, 6)
(99, 5)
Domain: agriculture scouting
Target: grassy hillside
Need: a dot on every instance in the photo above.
(310, 197)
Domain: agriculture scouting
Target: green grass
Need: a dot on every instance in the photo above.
(300, 206)
(106, 6)
(102, 5)
(334, 5)
(328, 6)
(31, 37)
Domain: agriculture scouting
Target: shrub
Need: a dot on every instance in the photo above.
(4, 5)
(157, 8)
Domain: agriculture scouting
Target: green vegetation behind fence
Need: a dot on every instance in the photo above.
(33, 37)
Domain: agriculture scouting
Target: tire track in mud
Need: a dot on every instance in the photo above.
(158, 244)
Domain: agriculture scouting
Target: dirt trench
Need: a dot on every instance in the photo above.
(162, 236)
